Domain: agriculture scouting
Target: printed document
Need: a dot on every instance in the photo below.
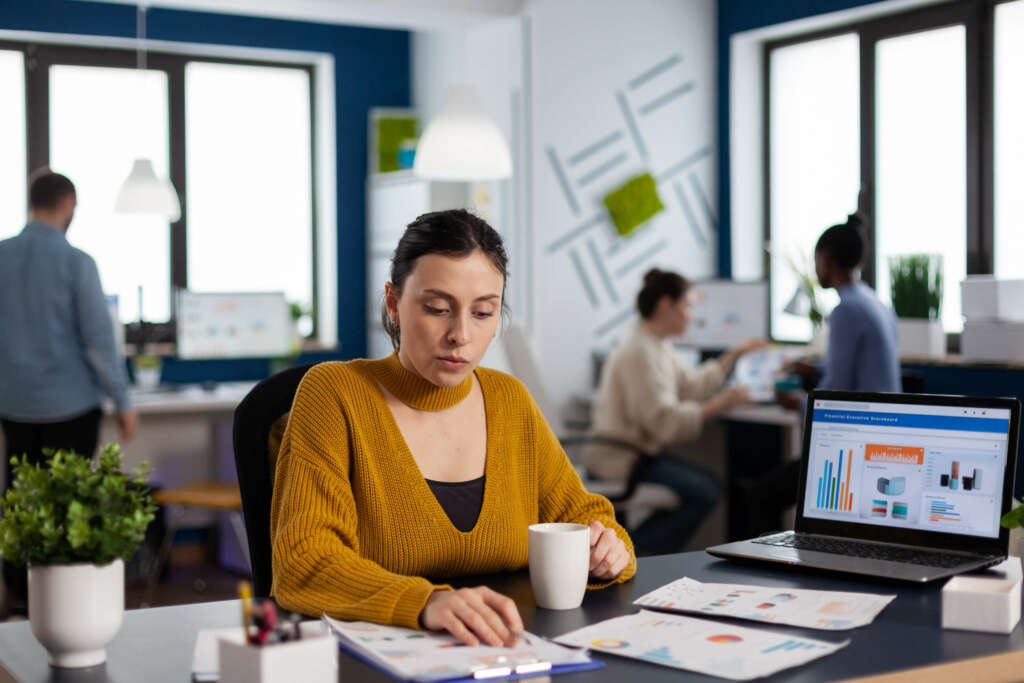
(824, 610)
(707, 647)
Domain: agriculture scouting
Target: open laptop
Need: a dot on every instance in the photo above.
(903, 486)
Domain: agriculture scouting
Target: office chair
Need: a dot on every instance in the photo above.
(633, 500)
(254, 417)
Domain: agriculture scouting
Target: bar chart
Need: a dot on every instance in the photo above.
(942, 511)
(834, 489)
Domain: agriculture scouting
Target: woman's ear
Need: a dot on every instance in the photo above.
(391, 302)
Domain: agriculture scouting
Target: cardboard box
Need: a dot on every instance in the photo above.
(993, 340)
(983, 297)
(988, 601)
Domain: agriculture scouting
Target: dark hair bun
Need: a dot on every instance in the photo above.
(657, 285)
(652, 276)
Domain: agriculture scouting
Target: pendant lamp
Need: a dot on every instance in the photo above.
(461, 143)
(142, 191)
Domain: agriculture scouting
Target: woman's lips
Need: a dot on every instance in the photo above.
(453, 362)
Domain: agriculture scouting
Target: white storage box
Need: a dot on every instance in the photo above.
(993, 340)
(984, 297)
(987, 602)
(311, 660)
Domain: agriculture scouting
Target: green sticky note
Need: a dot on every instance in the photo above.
(390, 134)
(634, 203)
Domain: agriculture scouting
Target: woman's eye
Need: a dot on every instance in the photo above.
(433, 310)
(483, 314)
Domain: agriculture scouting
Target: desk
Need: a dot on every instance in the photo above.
(185, 436)
(155, 645)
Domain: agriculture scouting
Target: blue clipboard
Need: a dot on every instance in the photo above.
(553, 671)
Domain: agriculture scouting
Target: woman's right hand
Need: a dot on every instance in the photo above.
(473, 615)
(725, 401)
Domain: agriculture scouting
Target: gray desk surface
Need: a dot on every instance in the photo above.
(155, 645)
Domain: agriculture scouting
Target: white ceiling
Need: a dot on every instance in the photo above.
(401, 14)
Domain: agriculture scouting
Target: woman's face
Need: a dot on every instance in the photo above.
(447, 313)
(674, 314)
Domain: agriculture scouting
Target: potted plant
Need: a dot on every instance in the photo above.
(1014, 521)
(805, 301)
(916, 284)
(74, 521)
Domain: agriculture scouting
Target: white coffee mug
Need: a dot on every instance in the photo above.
(559, 564)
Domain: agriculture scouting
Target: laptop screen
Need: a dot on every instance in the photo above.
(919, 467)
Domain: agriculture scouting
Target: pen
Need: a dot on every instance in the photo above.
(245, 593)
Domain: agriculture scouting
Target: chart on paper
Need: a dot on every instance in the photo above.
(708, 647)
(824, 610)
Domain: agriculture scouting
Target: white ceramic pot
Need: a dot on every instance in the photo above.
(75, 610)
(919, 337)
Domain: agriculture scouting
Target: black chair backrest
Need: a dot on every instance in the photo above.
(254, 417)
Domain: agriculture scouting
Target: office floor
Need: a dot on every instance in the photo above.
(187, 584)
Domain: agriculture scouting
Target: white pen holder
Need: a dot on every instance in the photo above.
(987, 602)
(311, 660)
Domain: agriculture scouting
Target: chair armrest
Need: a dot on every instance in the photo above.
(643, 459)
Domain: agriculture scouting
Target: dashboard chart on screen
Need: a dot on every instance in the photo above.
(926, 467)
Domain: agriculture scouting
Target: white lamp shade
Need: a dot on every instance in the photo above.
(799, 303)
(143, 192)
(461, 143)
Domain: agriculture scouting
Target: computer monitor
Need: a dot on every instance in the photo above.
(726, 313)
(233, 325)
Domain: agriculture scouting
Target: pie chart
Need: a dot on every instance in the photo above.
(725, 639)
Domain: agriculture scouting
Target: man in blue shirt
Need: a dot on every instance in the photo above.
(58, 355)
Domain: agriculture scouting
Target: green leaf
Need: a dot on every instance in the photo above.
(73, 509)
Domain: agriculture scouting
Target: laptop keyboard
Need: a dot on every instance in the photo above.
(873, 551)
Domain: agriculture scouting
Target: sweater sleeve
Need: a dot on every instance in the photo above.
(699, 384)
(652, 399)
(313, 523)
(562, 496)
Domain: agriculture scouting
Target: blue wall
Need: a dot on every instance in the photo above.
(735, 16)
(371, 69)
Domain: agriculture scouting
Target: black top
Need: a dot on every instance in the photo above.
(461, 500)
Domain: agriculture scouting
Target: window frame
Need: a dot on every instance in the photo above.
(977, 17)
(40, 56)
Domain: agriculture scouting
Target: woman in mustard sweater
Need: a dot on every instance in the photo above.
(398, 473)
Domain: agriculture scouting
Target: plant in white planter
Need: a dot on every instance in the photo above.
(916, 289)
(74, 521)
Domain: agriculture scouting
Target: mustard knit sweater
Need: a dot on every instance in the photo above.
(356, 530)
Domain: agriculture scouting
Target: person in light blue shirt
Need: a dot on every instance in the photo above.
(863, 339)
(862, 355)
(58, 355)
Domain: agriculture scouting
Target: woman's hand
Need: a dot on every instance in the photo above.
(473, 615)
(608, 554)
(751, 345)
(724, 401)
(728, 359)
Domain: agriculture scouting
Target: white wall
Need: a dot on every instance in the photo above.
(559, 80)
(592, 61)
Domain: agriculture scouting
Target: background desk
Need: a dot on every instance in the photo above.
(155, 645)
(185, 436)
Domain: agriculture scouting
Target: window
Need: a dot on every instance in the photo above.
(940, 140)
(814, 116)
(101, 119)
(920, 157)
(1009, 139)
(12, 142)
(249, 173)
(234, 136)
